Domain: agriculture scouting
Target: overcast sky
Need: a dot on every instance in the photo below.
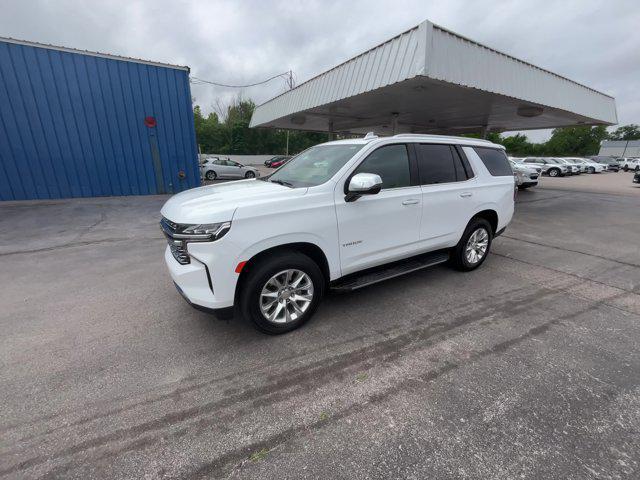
(596, 43)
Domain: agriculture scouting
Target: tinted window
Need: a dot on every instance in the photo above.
(495, 161)
(391, 163)
(436, 164)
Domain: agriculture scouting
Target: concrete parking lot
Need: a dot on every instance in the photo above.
(528, 367)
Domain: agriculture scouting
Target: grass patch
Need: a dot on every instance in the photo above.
(324, 416)
(361, 377)
(259, 455)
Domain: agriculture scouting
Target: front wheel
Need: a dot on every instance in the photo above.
(210, 175)
(250, 174)
(473, 247)
(554, 172)
(592, 170)
(281, 292)
(625, 168)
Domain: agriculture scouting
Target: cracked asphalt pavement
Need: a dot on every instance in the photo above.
(528, 367)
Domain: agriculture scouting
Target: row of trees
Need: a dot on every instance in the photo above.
(226, 131)
(578, 141)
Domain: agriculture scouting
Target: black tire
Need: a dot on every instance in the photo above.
(257, 277)
(625, 168)
(210, 175)
(637, 168)
(250, 174)
(458, 253)
(554, 172)
(592, 170)
(522, 187)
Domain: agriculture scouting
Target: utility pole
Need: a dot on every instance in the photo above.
(290, 84)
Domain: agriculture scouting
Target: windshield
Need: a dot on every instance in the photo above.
(315, 165)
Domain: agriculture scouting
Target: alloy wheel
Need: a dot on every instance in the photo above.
(477, 245)
(286, 296)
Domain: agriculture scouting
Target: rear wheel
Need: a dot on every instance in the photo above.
(250, 174)
(210, 175)
(625, 168)
(281, 292)
(473, 247)
(554, 172)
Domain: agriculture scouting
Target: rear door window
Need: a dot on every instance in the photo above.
(495, 160)
(436, 164)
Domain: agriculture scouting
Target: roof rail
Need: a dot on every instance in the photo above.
(442, 136)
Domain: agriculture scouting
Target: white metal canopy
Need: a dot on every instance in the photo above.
(431, 80)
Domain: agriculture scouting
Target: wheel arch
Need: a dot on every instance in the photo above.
(309, 249)
(490, 216)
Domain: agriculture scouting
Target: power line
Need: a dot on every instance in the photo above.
(200, 81)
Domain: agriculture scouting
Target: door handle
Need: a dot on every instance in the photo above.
(411, 201)
(466, 194)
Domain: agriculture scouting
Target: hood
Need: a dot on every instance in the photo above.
(217, 203)
(519, 167)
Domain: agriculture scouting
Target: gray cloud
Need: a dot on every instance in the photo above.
(593, 42)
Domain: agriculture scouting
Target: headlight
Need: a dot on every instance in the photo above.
(200, 232)
(178, 235)
(213, 230)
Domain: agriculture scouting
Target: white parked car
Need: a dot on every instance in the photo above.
(549, 166)
(589, 166)
(213, 168)
(627, 164)
(526, 175)
(340, 215)
(574, 169)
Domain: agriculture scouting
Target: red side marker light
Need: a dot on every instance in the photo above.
(240, 267)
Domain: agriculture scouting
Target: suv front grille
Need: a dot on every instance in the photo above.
(178, 247)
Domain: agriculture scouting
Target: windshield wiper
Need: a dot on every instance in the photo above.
(282, 182)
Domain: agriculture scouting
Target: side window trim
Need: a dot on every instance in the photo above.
(465, 162)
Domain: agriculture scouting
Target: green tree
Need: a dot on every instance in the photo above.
(580, 141)
(626, 132)
(233, 135)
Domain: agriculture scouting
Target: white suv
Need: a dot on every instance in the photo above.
(340, 215)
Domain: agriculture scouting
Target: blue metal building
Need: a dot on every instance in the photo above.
(83, 124)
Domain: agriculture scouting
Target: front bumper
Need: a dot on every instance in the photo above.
(209, 280)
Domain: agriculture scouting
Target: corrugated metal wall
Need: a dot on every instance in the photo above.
(73, 125)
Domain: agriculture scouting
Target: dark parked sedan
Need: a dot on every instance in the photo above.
(278, 160)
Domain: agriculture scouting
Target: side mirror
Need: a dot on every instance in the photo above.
(363, 184)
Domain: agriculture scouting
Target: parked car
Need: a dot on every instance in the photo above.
(636, 177)
(629, 164)
(579, 165)
(341, 215)
(573, 169)
(549, 167)
(526, 175)
(276, 161)
(589, 165)
(279, 163)
(216, 167)
(610, 162)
